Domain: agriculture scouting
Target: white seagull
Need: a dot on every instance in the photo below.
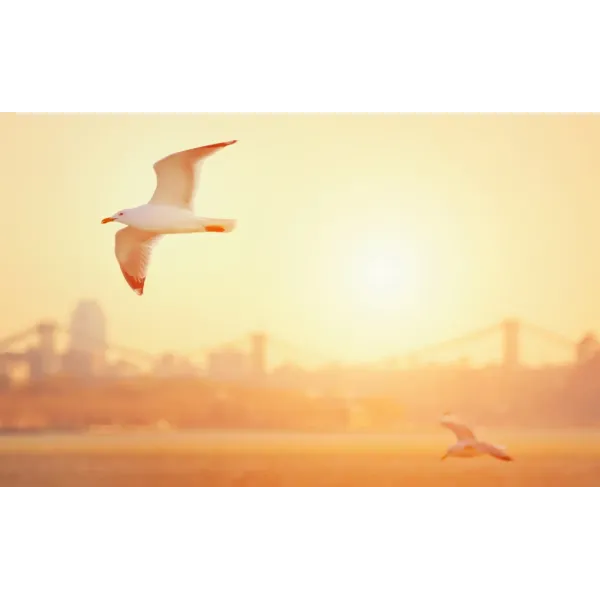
(170, 210)
(467, 445)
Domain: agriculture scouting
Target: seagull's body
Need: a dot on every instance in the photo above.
(169, 211)
(467, 445)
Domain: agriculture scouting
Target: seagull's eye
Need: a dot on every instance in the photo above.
(120, 214)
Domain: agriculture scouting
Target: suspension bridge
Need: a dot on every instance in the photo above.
(39, 349)
(508, 337)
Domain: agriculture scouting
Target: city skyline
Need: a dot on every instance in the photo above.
(76, 383)
(86, 332)
(359, 235)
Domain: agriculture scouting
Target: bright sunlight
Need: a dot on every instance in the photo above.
(388, 276)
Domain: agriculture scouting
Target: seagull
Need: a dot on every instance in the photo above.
(467, 445)
(170, 210)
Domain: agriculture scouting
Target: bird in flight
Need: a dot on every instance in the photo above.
(467, 445)
(170, 210)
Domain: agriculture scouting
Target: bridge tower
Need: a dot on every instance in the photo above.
(510, 344)
(587, 348)
(258, 357)
(47, 348)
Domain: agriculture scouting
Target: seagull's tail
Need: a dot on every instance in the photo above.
(218, 225)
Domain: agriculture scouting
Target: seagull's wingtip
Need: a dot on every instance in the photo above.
(137, 285)
(506, 458)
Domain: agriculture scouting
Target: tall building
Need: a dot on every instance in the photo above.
(87, 340)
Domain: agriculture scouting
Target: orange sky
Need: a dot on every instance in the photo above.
(481, 216)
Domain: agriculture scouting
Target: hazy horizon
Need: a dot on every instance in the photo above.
(359, 236)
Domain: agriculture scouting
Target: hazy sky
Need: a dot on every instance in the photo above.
(359, 236)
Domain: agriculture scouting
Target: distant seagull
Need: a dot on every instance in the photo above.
(467, 445)
(170, 210)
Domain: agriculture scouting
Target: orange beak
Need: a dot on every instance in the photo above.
(107, 220)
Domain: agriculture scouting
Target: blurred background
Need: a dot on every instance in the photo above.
(385, 269)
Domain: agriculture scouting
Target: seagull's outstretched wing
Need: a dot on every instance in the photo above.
(498, 452)
(461, 431)
(133, 248)
(177, 175)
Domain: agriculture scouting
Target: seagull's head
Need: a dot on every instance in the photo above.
(116, 217)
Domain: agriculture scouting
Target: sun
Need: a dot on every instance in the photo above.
(383, 274)
(389, 276)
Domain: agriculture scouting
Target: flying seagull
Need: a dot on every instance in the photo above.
(170, 210)
(467, 445)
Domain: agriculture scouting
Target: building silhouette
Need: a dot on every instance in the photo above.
(227, 365)
(87, 346)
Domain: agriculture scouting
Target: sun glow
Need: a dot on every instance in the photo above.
(388, 276)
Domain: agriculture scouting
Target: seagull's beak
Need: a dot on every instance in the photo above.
(107, 220)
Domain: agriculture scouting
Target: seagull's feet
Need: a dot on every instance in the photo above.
(215, 228)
